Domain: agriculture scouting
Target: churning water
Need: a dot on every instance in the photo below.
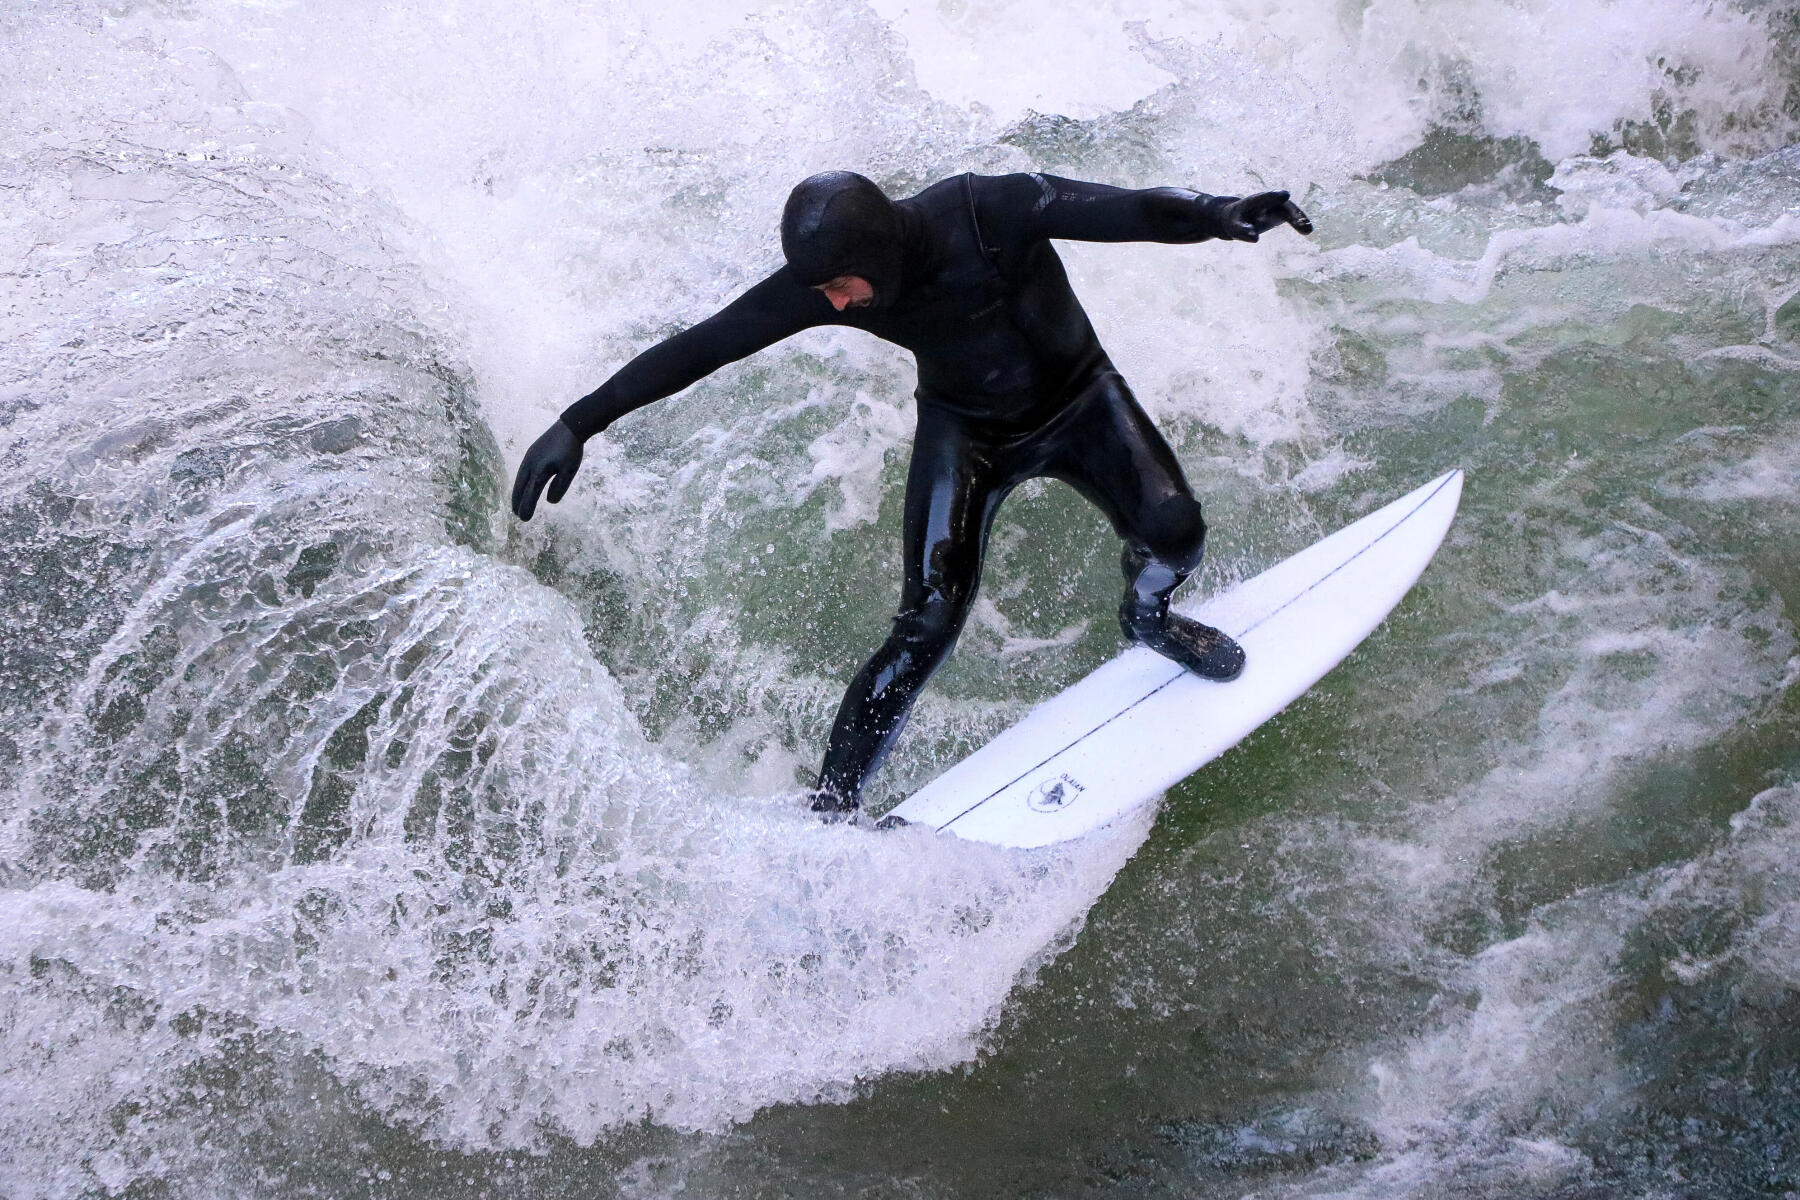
(358, 840)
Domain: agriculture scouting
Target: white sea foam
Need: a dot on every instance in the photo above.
(1474, 1100)
(318, 775)
(310, 780)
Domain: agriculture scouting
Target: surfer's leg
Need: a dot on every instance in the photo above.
(952, 491)
(1112, 453)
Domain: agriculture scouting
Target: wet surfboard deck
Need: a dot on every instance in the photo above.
(1139, 724)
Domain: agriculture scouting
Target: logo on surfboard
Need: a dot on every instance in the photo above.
(1054, 794)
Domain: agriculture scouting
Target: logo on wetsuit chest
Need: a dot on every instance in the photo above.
(1054, 794)
(988, 311)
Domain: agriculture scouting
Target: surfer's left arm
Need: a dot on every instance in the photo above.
(1049, 206)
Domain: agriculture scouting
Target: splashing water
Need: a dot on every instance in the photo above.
(358, 840)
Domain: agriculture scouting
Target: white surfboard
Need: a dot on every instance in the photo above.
(1139, 724)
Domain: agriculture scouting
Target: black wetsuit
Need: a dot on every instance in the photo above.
(1012, 384)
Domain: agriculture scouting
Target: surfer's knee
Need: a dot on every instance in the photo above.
(930, 627)
(1174, 533)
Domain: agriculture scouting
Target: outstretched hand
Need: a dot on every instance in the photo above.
(553, 458)
(1248, 219)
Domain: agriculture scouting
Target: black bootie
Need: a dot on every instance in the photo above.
(1145, 617)
(830, 806)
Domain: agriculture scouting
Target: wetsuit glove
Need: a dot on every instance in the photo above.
(1247, 219)
(553, 459)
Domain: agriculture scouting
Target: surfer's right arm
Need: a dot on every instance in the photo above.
(778, 307)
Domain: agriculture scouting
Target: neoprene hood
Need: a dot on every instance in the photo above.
(839, 223)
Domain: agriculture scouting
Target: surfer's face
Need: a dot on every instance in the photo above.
(848, 291)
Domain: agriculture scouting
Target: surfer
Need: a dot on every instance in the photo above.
(1012, 384)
